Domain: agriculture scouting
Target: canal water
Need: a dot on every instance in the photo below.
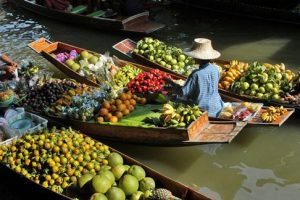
(261, 163)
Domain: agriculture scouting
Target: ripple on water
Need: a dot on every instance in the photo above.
(16, 32)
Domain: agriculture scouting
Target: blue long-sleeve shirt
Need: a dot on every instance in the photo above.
(201, 88)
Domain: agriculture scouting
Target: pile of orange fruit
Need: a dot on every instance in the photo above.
(114, 110)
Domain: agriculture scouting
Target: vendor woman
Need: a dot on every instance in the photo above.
(201, 86)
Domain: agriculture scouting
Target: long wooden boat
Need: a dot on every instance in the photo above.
(244, 9)
(178, 189)
(138, 23)
(199, 132)
(46, 48)
(226, 95)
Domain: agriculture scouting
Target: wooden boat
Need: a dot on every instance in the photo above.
(178, 189)
(226, 95)
(138, 23)
(199, 132)
(256, 120)
(46, 48)
(251, 10)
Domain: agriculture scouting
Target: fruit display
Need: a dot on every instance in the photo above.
(239, 111)
(55, 158)
(62, 160)
(272, 113)
(152, 81)
(6, 95)
(165, 55)
(114, 110)
(41, 97)
(80, 103)
(95, 67)
(264, 81)
(234, 70)
(176, 115)
(123, 76)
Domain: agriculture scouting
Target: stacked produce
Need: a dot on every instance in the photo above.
(239, 111)
(234, 70)
(80, 103)
(272, 113)
(96, 68)
(55, 158)
(165, 55)
(41, 97)
(264, 81)
(123, 76)
(113, 111)
(179, 115)
(152, 81)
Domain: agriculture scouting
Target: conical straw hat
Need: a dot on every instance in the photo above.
(202, 49)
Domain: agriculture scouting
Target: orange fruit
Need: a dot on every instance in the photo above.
(112, 102)
(107, 117)
(103, 111)
(113, 108)
(118, 101)
(113, 119)
(125, 112)
(119, 114)
(127, 103)
(121, 107)
(129, 95)
(106, 105)
(123, 96)
(100, 119)
(131, 108)
(132, 102)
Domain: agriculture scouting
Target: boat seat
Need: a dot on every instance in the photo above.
(79, 9)
(98, 13)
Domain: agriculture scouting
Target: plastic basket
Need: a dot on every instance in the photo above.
(38, 123)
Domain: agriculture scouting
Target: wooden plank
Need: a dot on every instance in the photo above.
(258, 121)
(39, 45)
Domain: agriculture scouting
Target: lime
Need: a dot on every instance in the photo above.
(137, 171)
(245, 86)
(93, 59)
(181, 64)
(109, 175)
(253, 93)
(168, 57)
(181, 57)
(259, 95)
(147, 183)
(75, 67)
(100, 184)
(129, 184)
(173, 61)
(269, 86)
(98, 196)
(276, 97)
(115, 159)
(254, 87)
(118, 171)
(278, 76)
(85, 54)
(262, 89)
(115, 193)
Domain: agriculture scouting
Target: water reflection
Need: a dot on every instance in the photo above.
(264, 184)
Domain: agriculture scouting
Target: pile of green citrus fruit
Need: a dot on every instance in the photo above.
(165, 55)
(264, 81)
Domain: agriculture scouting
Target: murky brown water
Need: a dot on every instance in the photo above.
(261, 163)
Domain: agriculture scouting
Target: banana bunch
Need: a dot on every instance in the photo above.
(124, 76)
(273, 113)
(179, 115)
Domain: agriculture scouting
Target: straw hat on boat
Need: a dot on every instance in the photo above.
(202, 49)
